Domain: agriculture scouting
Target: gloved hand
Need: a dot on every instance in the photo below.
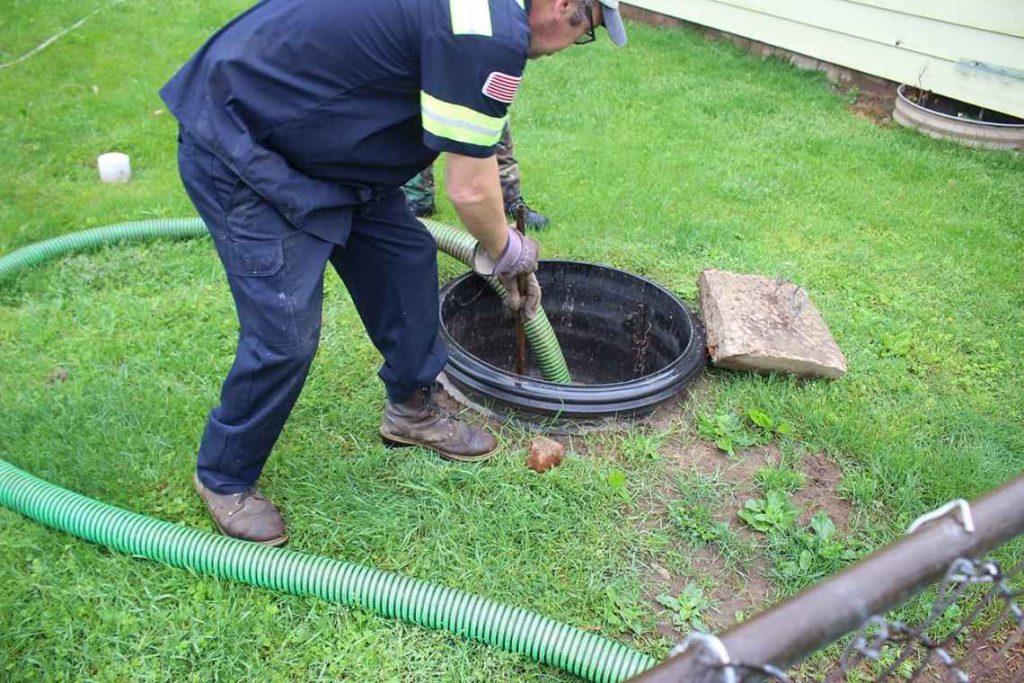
(527, 298)
(519, 258)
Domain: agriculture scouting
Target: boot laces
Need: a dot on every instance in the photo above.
(439, 412)
(242, 496)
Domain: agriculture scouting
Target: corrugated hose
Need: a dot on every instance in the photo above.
(586, 655)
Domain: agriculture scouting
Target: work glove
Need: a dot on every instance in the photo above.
(519, 258)
(525, 298)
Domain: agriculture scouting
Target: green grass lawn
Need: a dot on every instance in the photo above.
(671, 156)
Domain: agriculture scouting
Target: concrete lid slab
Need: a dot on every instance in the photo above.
(766, 324)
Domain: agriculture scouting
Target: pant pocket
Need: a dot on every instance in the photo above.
(265, 307)
(224, 182)
(254, 258)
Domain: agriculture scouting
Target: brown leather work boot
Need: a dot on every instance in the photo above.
(247, 515)
(419, 421)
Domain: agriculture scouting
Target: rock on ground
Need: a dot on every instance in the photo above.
(544, 454)
(766, 325)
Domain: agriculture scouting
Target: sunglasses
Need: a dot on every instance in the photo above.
(588, 35)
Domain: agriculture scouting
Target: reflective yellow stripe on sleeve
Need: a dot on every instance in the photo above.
(471, 17)
(458, 123)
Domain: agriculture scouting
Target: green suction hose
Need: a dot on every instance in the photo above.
(457, 243)
(452, 241)
(34, 254)
(516, 630)
(539, 334)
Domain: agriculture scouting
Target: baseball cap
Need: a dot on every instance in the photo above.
(613, 21)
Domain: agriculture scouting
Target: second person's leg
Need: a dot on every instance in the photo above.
(511, 183)
(419, 192)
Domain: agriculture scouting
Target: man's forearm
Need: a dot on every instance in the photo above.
(475, 190)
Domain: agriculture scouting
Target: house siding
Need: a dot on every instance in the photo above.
(971, 51)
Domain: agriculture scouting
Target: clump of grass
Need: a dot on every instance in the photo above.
(781, 478)
(688, 607)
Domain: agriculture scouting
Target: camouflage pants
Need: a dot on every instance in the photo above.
(422, 186)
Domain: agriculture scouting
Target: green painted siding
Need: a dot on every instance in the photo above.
(970, 50)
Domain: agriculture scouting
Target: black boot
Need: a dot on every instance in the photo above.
(533, 219)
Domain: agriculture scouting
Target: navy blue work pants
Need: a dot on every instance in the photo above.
(389, 265)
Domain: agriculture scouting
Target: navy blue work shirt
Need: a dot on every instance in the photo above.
(320, 105)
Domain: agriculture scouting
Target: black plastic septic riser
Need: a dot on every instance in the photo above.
(629, 343)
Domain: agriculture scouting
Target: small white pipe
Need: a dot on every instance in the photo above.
(114, 167)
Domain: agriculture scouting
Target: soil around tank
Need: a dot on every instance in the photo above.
(744, 589)
(873, 106)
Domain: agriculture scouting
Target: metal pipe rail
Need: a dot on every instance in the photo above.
(793, 629)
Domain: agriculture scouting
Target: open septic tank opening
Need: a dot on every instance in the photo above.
(629, 343)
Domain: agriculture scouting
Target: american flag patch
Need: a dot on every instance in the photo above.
(502, 87)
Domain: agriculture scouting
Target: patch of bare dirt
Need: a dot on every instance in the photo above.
(738, 472)
(732, 590)
(821, 492)
(748, 590)
(733, 593)
(995, 662)
(874, 107)
(703, 457)
(740, 592)
(986, 661)
(680, 409)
